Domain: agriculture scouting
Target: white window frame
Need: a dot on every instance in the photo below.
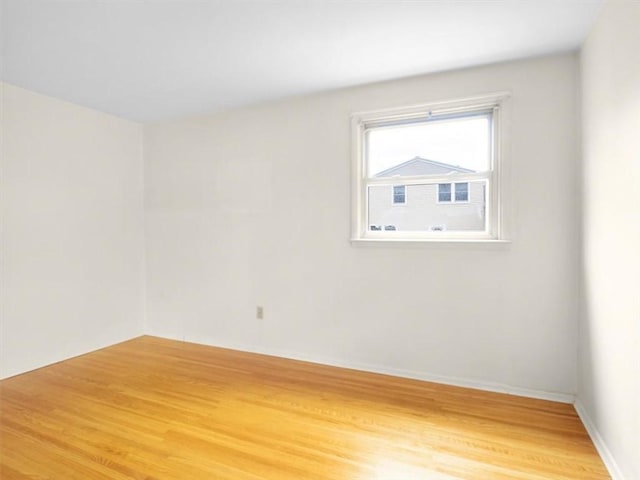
(495, 231)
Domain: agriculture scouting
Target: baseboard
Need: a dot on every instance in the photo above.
(416, 375)
(448, 380)
(598, 441)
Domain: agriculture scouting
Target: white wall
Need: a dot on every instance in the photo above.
(252, 207)
(609, 374)
(72, 239)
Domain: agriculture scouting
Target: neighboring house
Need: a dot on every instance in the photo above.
(431, 207)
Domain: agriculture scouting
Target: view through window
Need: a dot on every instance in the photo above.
(449, 148)
(427, 175)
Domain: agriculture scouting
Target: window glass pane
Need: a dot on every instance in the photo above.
(399, 194)
(424, 212)
(462, 192)
(433, 147)
(444, 192)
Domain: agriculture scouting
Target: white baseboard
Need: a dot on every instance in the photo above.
(445, 380)
(598, 441)
(416, 375)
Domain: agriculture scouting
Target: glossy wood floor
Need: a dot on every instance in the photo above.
(159, 409)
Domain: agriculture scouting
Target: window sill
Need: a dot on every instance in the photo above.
(400, 242)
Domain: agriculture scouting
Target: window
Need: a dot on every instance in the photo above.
(460, 192)
(399, 194)
(446, 156)
(444, 192)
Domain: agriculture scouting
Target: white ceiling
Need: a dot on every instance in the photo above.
(152, 60)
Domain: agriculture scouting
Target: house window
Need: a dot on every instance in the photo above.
(461, 192)
(458, 194)
(447, 153)
(399, 194)
(444, 192)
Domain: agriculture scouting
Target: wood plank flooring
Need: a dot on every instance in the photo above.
(152, 408)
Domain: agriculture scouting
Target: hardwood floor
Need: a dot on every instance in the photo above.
(159, 409)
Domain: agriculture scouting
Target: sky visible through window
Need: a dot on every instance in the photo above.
(463, 142)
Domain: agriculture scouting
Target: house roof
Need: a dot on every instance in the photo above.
(422, 166)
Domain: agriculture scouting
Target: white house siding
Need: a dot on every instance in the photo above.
(422, 211)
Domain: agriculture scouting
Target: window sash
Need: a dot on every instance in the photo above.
(451, 179)
(420, 179)
(482, 234)
(429, 115)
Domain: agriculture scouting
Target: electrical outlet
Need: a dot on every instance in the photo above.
(259, 312)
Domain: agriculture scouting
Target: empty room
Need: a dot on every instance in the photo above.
(320, 239)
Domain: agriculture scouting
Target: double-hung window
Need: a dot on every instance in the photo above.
(445, 156)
